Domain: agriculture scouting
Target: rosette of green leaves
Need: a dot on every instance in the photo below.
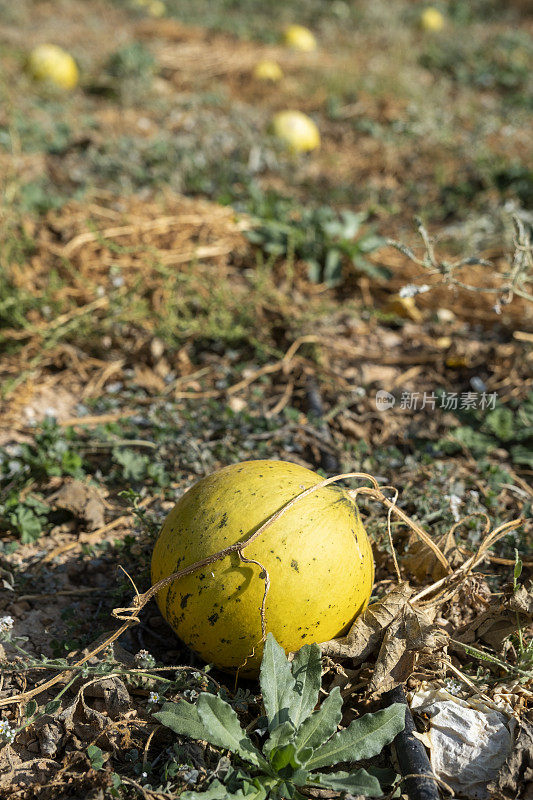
(301, 739)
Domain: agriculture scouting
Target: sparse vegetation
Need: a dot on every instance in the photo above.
(178, 292)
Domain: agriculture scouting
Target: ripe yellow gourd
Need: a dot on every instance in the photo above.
(431, 19)
(296, 130)
(52, 64)
(157, 8)
(268, 71)
(317, 556)
(299, 38)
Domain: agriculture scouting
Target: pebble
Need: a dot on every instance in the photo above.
(18, 609)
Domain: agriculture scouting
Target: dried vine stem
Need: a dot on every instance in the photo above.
(456, 577)
(130, 615)
(515, 281)
(377, 494)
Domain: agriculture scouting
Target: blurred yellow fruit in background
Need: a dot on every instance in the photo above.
(52, 64)
(432, 20)
(297, 130)
(268, 71)
(156, 8)
(299, 38)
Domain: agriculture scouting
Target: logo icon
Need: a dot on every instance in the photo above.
(384, 400)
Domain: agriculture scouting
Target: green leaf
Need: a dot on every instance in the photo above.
(134, 465)
(52, 706)
(30, 709)
(370, 243)
(224, 729)
(96, 757)
(116, 780)
(385, 775)
(372, 270)
(522, 434)
(216, 791)
(284, 790)
(279, 737)
(352, 222)
(333, 267)
(28, 524)
(522, 455)
(306, 668)
(277, 683)
(314, 270)
(250, 789)
(478, 443)
(322, 724)
(500, 423)
(282, 757)
(182, 718)
(363, 738)
(358, 783)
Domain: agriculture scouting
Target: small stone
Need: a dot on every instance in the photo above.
(19, 609)
(237, 404)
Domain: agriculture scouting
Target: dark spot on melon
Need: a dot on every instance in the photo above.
(294, 565)
(213, 618)
(184, 600)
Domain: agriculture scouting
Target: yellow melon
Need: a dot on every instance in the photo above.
(156, 8)
(431, 19)
(299, 38)
(51, 64)
(317, 555)
(268, 71)
(296, 130)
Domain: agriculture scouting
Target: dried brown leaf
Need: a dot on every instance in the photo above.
(397, 630)
(515, 779)
(77, 719)
(412, 633)
(522, 601)
(420, 561)
(366, 633)
(499, 620)
(114, 694)
(395, 662)
(50, 733)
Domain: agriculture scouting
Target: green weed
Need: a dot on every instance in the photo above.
(509, 427)
(502, 63)
(325, 239)
(300, 740)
